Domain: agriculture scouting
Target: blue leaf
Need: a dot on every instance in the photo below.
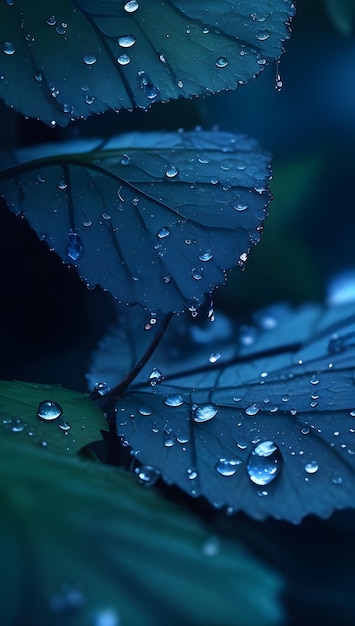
(155, 219)
(264, 424)
(75, 58)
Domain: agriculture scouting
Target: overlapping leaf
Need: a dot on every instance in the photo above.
(153, 218)
(288, 379)
(74, 58)
(81, 542)
(49, 416)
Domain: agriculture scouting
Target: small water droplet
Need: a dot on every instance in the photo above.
(9, 47)
(89, 59)
(131, 6)
(74, 248)
(222, 62)
(123, 59)
(126, 41)
(64, 426)
(214, 357)
(102, 389)
(62, 184)
(191, 473)
(311, 468)
(125, 159)
(14, 425)
(241, 207)
(263, 35)
(197, 273)
(49, 410)
(204, 412)
(155, 377)
(264, 463)
(145, 410)
(174, 400)
(39, 76)
(227, 467)
(253, 409)
(147, 474)
(169, 441)
(163, 232)
(51, 21)
(206, 256)
(150, 90)
(171, 172)
(314, 380)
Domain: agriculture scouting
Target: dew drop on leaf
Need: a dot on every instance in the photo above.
(174, 400)
(145, 410)
(126, 41)
(264, 463)
(89, 59)
(124, 59)
(311, 468)
(204, 412)
(49, 410)
(147, 475)
(253, 409)
(222, 62)
(155, 377)
(131, 6)
(227, 467)
(74, 248)
(171, 172)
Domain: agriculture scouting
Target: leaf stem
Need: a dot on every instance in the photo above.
(121, 387)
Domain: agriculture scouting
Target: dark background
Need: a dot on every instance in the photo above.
(49, 322)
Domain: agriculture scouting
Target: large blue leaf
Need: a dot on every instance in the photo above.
(265, 424)
(73, 58)
(153, 218)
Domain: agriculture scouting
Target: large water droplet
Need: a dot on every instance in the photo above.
(131, 6)
(163, 232)
(150, 90)
(253, 409)
(155, 377)
(74, 248)
(89, 59)
(264, 463)
(171, 172)
(147, 474)
(9, 47)
(126, 41)
(174, 400)
(227, 467)
(145, 410)
(222, 62)
(311, 468)
(124, 59)
(49, 410)
(204, 412)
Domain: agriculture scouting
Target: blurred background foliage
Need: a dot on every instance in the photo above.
(50, 323)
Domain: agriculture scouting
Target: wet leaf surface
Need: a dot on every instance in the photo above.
(153, 218)
(75, 58)
(267, 427)
(49, 416)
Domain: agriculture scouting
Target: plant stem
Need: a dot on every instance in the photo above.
(121, 387)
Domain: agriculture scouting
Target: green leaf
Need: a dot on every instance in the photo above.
(75, 58)
(78, 423)
(154, 218)
(83, 544)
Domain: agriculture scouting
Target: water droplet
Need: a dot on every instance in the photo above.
(145, 410)
(227, 467)
(169, 441)
(171, 172)
(9, 47)
(174, 400)
(39, 76)
(214, 357)
(263, 35)
(163, 232)
(62, 184)
(150, 90)
(191, 473)
(314, 380)
(147, 474)
(126, 41)
(311, 468)
(123, 59)
(51, 21)
(222, 62)
(204, 412)
(131, 6)
(155, 377)
(264, 463)
(241, 207)
(49, 410)
(89, 59)
(206, 256)
(64, 426)
(14, 425)
(253, 409)
(102, 389)
(74, 248)
(197, 273)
